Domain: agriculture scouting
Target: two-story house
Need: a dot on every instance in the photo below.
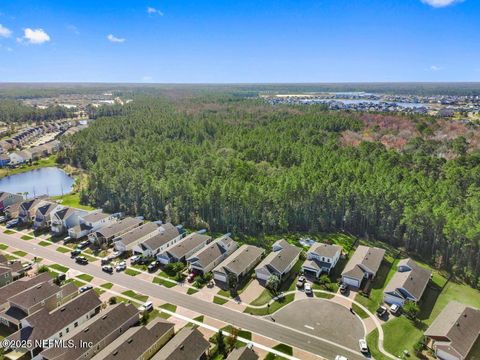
(91, 222)
(185, 248)
(167, 236)
(321, 258)
(28, 209)
(43, 219)
(7, 199)
(65, 218)
(279, 262)
(106, 234)
(363, 264)
(130, 239)
(207, 258)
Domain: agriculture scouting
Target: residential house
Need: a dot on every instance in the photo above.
(279, 262)
(167, 236)
(454, 332)
(91, 222)
(239, 263)
(20, 157)
(106, 234)
(42, 296)
(44, 325)
(408, 283)
(321, 258)
(363, 264)
(4, 160)
(7, 199)
(138, 343)
(185, 248)
(65, 218)
(207, 258)
(9, 270)
(28, 209)
(13, 211)
(187, 344)
(243, 353)
(100, 331)
(43, 215)
(16, 287)
(127, 241)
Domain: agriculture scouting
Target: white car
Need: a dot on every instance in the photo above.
(308, 288)
(115, 255)
(148, 306)
(121, 266)
(362, 344)
(340, 357)
(394, 308)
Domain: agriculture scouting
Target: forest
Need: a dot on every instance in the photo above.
(228, 163)
(13, 111)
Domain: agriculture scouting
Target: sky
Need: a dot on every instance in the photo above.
(247, 41)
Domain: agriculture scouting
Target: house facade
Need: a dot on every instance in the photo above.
(167, 236)
(64, 219)
(91, 222)
(130, 239)
(106, 234)
(207, 258)
(321, 258)
(240, 263)
(185, 248)
(28, 209)
(279, 262)
(364, 264)
(43, 219)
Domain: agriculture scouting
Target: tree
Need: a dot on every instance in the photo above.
(220, 342)
(112, 300)
(273, 283)
(411, 309)
(232, 283)
(42, 269)
(232, 339)
(324, 280)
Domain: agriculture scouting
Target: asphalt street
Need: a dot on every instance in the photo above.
(267, 328)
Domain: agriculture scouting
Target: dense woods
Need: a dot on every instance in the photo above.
(239, 165)
(14, 111)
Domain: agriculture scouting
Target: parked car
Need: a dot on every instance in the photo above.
(27, 266)
(394, 309)
(105, 261)
(82, 260)
(134, 259)
(3, 219)
(343, 288)
(144, 260)
(12, 223)
(191, 276)
(75, 253)
(121, 266)
(301, 281)
(83, 245)
(85, 288)
(107, 269)
(153, 266)
(308, 289)
(115, 254)
(67, 239)
(362, 344)
(381, 311)
(148, 306)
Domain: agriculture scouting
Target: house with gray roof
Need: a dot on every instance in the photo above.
(139, 342)
(106, 234)
(167, 236)
(44, 325)
(454, 332)
(100, 331)
(205, 259)
(184, 248)
(321, 258)
(279, 262)
(90, 222)
(7, 199)
(28, 209)
(408, 283)
(187, 344)
(239, 263)
(16, 287)
(127, 241)
(43, 214)
(243, 353)
(363, 264)
(65, 218)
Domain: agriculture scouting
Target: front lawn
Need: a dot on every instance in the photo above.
(63, 250)
(85, 277)
(20, 253)
(9, 232)
(26, 237)
(284, 348)
(107, 286)
(3, 247)
(132, 272)
(59, 268)
(168, 307)
(276, 305)
(166, 283)
(44, 243)
(401, 334)
(219, 301)
(132, 294)
(191, 291)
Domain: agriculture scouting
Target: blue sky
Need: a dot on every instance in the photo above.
(191, 41)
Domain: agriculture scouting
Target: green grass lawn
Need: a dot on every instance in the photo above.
(3, 247)
(401, 334)
(284, 348)
(131, 272)
(198, 318)
(26, 237)
(169, 307)
(276, 305)
(359, 311)
(59, 268)
(219, 301)
(134, 295)
(73, 200)
(166, 283)
(99, 291)
(324, 295)
(10, 257)
(191, 291)
(107, 286)
(75, 282)
(372, 341)
(20, 253)
(44, 243)
(8, 232)
(85, 277)
(63, 250)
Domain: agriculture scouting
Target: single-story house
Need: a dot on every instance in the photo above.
(7, 199)
(139, 342)
(205, 259)
(187, 344)
(185, 248)
(43, 219)
(106, 234)
(100, 331)
(243, 353)
(363, 264)
(321, 258)
(65, 218)
(279, 262)
(127, 241)
(455, 331)
(16, 287)
(90, 222)
(408, 283)
(239, 263)
(168, 235)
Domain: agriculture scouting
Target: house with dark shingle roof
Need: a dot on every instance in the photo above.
(205, 260)
(455, 331)
(243, 353)
(16, 287)
(188, 246)
(43, 218)
(90, 222)
(28, 209)
(167, 236)
(106, 234)
(363, 264)
(139, 342)
(100, 331)
(279, 262)
(321, 258)
(130, 239)
(65, 218)
(408, 283)
(187, 344)
(239, 263)
(7, 199)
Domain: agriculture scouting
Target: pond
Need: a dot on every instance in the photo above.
(50, 181)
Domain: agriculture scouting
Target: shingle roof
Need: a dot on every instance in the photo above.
(213, 251)
(167, 232)
(243, 353)
(280, 260)
(136, 341)
(41, 292)
(188, 344)
(135, 234)
(325, 250)
(460, 324)
(189, 243)
(65, 212)
(18, 286)
(119, 227)
(45, 324)
(240, 260)
(370, 257)
(95, 216)
(46, 207)
(414, 281)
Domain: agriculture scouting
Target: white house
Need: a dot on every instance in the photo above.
(130, 239)
(279, 262)
(321, 258)
(364, 264)
(43, 214)
(167, 236)
(207, 258)
(184, 248)
(65, 218)
(90, 222)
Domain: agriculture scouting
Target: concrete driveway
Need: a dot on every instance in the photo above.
(324, 319)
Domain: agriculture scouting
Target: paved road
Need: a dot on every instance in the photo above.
(254, 324)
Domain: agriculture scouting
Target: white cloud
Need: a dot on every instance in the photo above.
(435, 68)
(115, 39)
(35, 36)
(441, 3)
(152, 11)
(5, 32)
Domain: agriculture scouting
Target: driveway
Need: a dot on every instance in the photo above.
(324, 319)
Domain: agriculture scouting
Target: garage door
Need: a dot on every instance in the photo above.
(351, 282)
(261, 275)
(220, 277)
